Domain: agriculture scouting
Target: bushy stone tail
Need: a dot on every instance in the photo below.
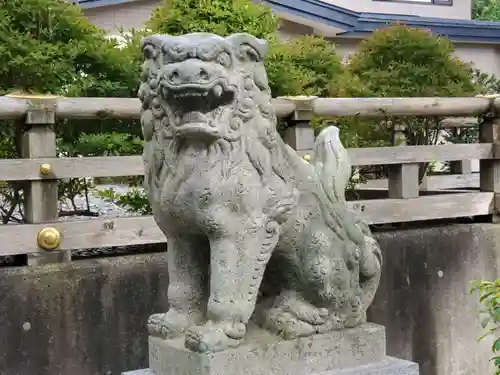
(332, 168)
(331, 164)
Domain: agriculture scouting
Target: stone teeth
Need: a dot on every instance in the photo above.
(190, 94)
(193, 117)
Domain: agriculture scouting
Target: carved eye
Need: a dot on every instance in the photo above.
(249, 53)
(177, 52)
(208, 51)
(149, 51)
(224, 59)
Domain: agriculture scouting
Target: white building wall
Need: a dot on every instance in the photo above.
(128, 15)
(461, 9)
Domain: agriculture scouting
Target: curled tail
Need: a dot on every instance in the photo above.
(333, 171)
(331, 164)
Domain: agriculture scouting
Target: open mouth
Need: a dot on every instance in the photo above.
(198, 105)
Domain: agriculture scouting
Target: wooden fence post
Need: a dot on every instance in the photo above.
(41, 197)
(489, 169)
(460, 166)
(402, 178)
(300, 135)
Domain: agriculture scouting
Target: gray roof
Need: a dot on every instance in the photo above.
(359, 24)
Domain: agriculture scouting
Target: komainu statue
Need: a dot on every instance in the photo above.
(254, 231)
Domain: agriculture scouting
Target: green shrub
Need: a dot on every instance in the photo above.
(404, 61)
(304, 65)
(487, 85)
(486, 10)
(489, 297)
(222, 17)
(401, 61)
(49, 47)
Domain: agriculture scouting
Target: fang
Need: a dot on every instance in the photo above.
(217, 90)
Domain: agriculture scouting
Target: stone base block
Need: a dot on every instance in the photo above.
(388, 366)
(265, 353)
(356, 351)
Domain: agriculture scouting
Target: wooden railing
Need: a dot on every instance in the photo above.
(41, 168)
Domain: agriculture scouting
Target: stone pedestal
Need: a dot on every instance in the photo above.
(356, 351)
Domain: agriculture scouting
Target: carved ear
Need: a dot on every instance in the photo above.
(154, 40)
(150, 44)
(248, 46)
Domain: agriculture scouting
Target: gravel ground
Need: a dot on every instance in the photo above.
(97, 204)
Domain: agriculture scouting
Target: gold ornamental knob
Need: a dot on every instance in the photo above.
(49, 238)
(307, 158)
(45, 169)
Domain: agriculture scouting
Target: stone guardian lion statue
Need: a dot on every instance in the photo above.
(253, 230)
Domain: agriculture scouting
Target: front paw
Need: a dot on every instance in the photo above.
(214, 337)
(168, 325)
(287, 325)
(304, 311)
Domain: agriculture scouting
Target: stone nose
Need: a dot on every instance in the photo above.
(187, 72)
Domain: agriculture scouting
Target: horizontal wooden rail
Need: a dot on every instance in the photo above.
(116, 166)
(439, 182)
(459, 122)
(382, 107)
(419, 154)
(96, 166)
(21, 239)
(12, 107)
(129, 108)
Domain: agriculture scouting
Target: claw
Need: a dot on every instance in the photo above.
(235, 331)
(304, 311)
(323, 312)
(167, 325)
(212, 338)
(288, 326)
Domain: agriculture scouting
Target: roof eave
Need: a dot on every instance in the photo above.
(100, 3)
(454, 38)
(317, 11)
(363, 24)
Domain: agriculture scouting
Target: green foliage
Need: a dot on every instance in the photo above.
(401, 61)
(489, 297)
(35, 49)
(222, 17)
(107, 144)
(487, 85)
(135, 200)
(49, 46)
(305, 65)
(486, 10)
